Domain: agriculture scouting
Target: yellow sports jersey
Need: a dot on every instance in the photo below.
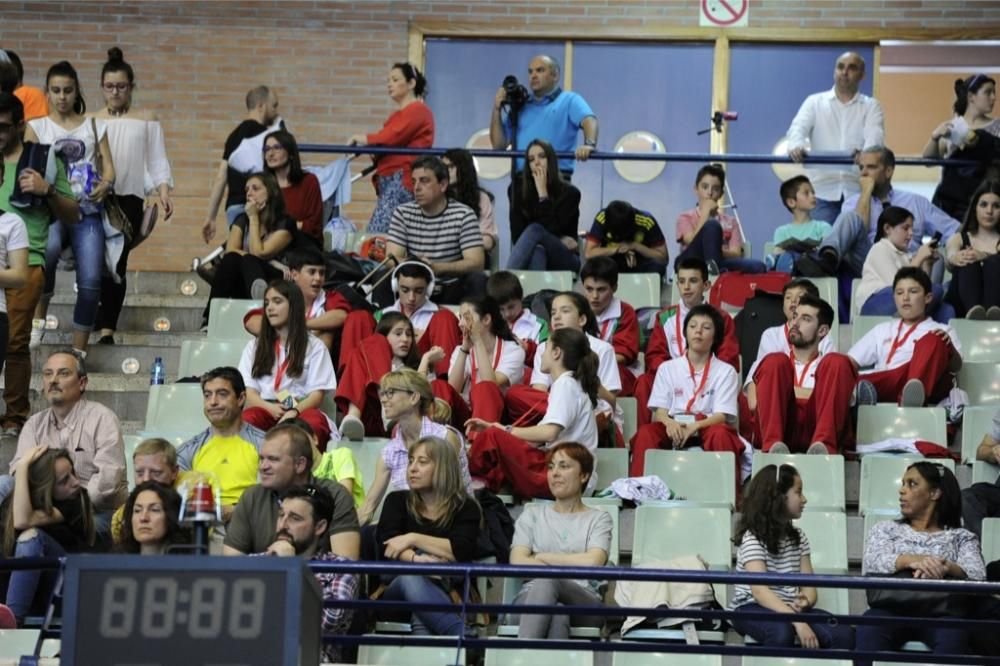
(233, 461)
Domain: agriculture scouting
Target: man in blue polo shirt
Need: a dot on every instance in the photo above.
(552, 114)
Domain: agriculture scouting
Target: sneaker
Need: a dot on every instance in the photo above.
(815, 266)
(106, 340)
(865, 393)
(993, 314)
(779, 447)
(817, 449)
(257, 290)
(913, 394)
(352, 428)
(37, 333)
(976, 313)
(713, 269)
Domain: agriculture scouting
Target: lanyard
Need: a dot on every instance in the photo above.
(897, 342)
(677, 327)
(279, 374)
(604, 329)
(701, 387)
(496, 359)
(800, 379)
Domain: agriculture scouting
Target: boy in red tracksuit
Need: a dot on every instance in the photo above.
(616, 321)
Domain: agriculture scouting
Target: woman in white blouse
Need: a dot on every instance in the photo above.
(140, 157)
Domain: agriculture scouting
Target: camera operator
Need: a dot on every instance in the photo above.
(529, 117)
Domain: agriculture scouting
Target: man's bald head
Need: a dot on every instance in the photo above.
(848, 73)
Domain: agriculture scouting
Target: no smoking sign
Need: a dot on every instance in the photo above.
(724, 13)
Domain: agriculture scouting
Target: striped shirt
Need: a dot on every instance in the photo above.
(437, 238)
(786, 560)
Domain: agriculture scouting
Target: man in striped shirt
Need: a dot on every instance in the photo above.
(440, 232)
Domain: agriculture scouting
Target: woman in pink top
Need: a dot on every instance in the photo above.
(412, 126)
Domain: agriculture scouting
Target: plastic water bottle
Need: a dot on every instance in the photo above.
(157, 373)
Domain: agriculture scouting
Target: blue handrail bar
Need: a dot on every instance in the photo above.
(751, 158)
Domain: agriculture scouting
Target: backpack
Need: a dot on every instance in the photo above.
(759, 313)
(540, 303)
(734, 288)
(498, 527)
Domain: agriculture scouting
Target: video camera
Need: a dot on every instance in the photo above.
(517, 95)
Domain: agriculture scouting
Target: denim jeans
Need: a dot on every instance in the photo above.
(940, 640)
(538, 249)
(707, 245)
(781, 633)
(549, 592)
(827, 210)
(420, 589)
(24, 585)
(87, 239)
(882, 303)
(850, 239)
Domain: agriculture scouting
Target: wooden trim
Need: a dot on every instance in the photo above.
(720, 92)
(876, 69)
(416, 53)
(567, 73)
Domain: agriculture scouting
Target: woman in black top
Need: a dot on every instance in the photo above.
(544, 214)
(435, 521)
(49, 514)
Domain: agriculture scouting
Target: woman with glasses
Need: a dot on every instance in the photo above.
(411, 126)
(135, 137)
(300, 190)
(407, 401)
(82, 142)
(928, 542)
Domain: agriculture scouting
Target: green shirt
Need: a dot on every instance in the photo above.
(37, 218)
(811, 230)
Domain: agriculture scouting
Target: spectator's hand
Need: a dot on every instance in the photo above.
(32, 455)
(925, 253)
(32, 182)
(583, 152)
(478, 425)
(540, 174)
(275, 409)
(801, 603)
(167, 205)
(630, 260)
(571, 243)
(281, 548)
(707, 209)
(867, 184)
(797, 154)
(675, 431)
(100, 191)
(398, 544)
(687, 431)
(995, 452)
(942, 131)
(358, 140)
(499, 98)
(434, 356)
(929, 567)
(623, 248)
(427, 558)
(208, 230)
(806, 635)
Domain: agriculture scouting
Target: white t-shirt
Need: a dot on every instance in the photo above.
(507, 358)
(674, 388)
(13, 236)
(420, 319)
(607, 368)
(570, 408)
(875, 347)
(775, 341)
(317, 373)
(49, 132)
(528, 326)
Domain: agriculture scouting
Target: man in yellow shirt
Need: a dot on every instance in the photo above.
(229, 448)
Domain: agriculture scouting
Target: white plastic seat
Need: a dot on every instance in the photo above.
(827, 534)
(611, 465)
(17, 643)
(793, 661)
(200, 356)
(885, 421)
(706, 478)
(175, 408)
(366, 455)
(666, 531)
(984, 472)
(640, 290)
(534, 281)
(225, 318)
(822, 477)
(131, 441)
(977, 422)
(864, 323)
(881, 476)
(497, 657)
(664, 659)
(411, 655)
(630, 420)
(981, 381)
(980, 340)
(991, 539)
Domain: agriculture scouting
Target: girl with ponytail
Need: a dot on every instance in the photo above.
(516, 456)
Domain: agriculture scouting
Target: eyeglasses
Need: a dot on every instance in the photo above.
(120, 87)
(273, 148)
(388, 393)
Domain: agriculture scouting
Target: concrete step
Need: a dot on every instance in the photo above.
(141, 282)
(141, 311)
(125, 395)
(144, 347)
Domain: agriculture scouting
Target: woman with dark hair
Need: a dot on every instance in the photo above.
(49, 514)
(890, 253)
(261, 233)
(287, 371)
(544, 213)
(768, 542)
(463, 186)
(928, 542)
(411, 126)
(83, 143)
(135, 137)
(152, 520)
(972, 255)
(300, 190)
(971, 134)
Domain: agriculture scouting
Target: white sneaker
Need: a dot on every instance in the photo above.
(352, 428)
(780, 448)
(37, 333)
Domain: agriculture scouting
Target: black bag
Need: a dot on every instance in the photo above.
(540, 303)
(363, 293)
(494, 540)
(917, 603)
(759, 313)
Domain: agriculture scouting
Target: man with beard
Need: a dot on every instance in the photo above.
(803, 395)
(304, 515)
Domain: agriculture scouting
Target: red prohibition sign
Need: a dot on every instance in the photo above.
(724, 12)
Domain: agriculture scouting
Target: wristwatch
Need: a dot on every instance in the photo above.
(590, 142)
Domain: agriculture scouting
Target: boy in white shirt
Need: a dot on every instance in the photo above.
(616, 320)
(529, 330)
(694, 396)
(914, 358)
(801, 397)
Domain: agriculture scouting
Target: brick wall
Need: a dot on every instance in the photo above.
(194, 62)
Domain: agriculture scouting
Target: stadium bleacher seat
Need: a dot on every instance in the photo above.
(534, 281)
(991, 539)
(611, 465)
(175, 409)
(630, 410)
(822, 477)
(640, 290)
(864, 323)
(881, 476)
(793, 661)
(704, 478)
(707, 532)
(977, 422)
(225, 318)
(984, 472)
(664, 659)
(131, 441)
(827, 534)
(411, 655)
(980, 340)
(981, 381)
(884, 421)
(497, 657)
(200, 356)
(366, 455)
(16, 643)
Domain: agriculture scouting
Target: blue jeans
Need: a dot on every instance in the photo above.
(87, 240)
(882, 638)
(420, 589)
(827, 210)
(24, 585)
(781, 633)
(850, 239)
(707, 245)
(882, 303)
(538, 249)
